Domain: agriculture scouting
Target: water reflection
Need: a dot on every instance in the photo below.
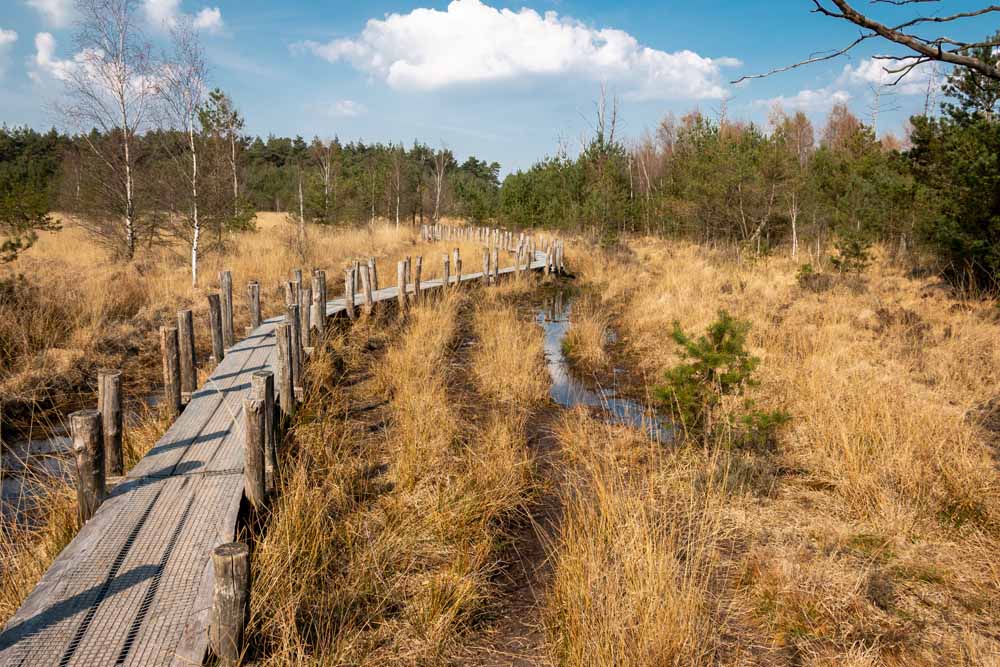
(567, 391)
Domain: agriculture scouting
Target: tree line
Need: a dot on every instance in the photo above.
(158, 155)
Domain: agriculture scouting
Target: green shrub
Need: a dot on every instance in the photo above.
(852, 253)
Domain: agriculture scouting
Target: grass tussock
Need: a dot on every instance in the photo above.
(393, 519)
(586, 342)
(862, 538)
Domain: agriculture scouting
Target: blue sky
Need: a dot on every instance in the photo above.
(507, 81)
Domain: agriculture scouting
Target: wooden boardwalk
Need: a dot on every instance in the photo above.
(134, 587)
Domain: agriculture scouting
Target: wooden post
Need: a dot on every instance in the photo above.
(230, 602)
(215, 323)
(253, 299)
(517, 264)
(109, 403)
(254, 463)
(185, 346)
(286, 376)
(496, 266)
(262, 389)
(305, 307)
(373, 273)
(357, 276)
(401, 285)
(486, 266)
(416, 278)
(297, 276)
(318, 316)
(171, 370)
(349, 293)
(294, 324)
(457, 261)
(446, 276)
(291, 292)
(548, 257)
(226, 290)
(88, 447)
(366, 289)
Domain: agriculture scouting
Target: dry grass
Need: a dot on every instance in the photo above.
(393, 520)
(866, 539)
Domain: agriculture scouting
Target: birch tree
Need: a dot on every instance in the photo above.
(440, 167)
(182, 91)
(110, 87)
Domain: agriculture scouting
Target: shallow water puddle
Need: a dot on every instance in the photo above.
(555, 319)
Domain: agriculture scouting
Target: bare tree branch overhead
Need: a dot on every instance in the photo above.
(924, 48)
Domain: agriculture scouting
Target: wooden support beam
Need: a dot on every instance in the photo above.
(226, 291)
(366, 289)
(401, 285)
(109, 404)
(317, 319)
(254, 461)
(262, 389)
(88, 449)
(185, 346)
(253, 299)
(486, 266)
(215, 324)
(373, 273)
(170, 354)
(305, 306)
(349, 301)
(416, 278)
(286, 377)
(230, 602)
(457, 263)
(294, 322)
(446, 276)
(496, 266)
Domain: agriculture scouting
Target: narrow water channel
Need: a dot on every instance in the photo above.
(568, 391)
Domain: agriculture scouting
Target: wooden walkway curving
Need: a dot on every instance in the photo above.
(134, 587)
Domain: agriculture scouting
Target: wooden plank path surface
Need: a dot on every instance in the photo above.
(134, 587)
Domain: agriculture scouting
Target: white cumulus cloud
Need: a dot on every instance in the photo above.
(47, 64)
(822, 99)
(58, 13)
(470, 42)
(7, 39)
(348, 108)
(873, 72)
(209, 19)
(166, 13)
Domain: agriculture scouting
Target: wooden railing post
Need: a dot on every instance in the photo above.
(171, 370)
(253, 299)
(305, 307)
(286, 377)
(366, 288)
(318, 316)
(254, 463)
(373, 273)
(230, 602)
(486, 266)
(88, 448)
(349, 293)
(457, 262)
(109, 403)
(226, 290)
(446, 276)
(401, 285)
(496, 266)
(294, 325)
(262, 389)
(416, 278)
(215, 324)
(185, 346)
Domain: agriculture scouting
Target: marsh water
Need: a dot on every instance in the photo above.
(568, 390)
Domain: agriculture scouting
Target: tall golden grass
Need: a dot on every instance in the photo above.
(392, 520)
(866, 539)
